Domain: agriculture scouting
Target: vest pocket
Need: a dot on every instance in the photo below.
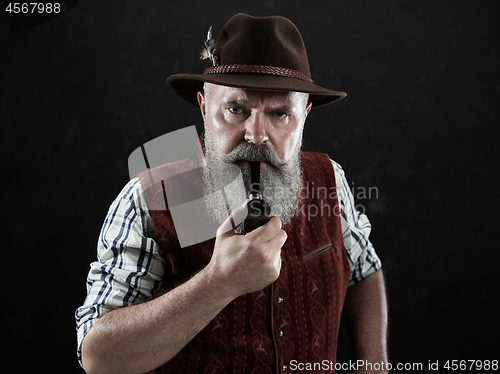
(316, 252)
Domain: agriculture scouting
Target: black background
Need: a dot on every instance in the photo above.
(81, 92)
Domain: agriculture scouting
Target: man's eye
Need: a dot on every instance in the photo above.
(281, 114)
(235, 110)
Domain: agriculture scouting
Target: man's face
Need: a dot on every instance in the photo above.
(245, 125)
(236, 115)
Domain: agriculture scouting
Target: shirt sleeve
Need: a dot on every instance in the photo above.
(129, 268)
(356, 230)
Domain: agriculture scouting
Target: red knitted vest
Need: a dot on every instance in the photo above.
(296, 319)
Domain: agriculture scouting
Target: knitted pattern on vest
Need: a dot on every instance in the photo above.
(295, 318)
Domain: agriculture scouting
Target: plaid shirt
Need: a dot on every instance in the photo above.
(129, 268)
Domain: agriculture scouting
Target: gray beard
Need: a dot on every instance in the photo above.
(280, 184)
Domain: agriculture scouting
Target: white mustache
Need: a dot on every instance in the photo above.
(246, 151)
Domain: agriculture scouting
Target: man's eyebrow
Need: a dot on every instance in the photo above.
(232, 104)
(283, 108)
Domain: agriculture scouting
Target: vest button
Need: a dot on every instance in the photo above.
(279, 300)
(284, 367)
(280, 333)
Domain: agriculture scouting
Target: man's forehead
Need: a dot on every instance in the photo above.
(241, 95)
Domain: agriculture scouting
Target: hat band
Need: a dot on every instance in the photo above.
(258, 69)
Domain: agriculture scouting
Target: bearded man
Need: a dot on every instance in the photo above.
(262, 301)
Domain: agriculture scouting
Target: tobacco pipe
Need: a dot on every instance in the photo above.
(259, 211)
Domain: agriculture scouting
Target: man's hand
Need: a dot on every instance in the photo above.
(247, 263)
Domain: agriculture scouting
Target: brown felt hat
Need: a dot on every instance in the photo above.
(262, 53)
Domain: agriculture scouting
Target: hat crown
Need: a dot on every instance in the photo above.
(269, 41)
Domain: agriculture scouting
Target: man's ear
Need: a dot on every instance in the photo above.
(308, 107)
(200, 96)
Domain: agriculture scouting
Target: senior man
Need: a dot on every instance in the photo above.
(264, 301)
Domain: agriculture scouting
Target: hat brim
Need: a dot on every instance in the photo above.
(187, 86)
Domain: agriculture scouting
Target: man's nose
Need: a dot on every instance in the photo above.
(256, 128)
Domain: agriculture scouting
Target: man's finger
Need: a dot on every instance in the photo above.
(237, 216)
(278, 241)
(267, 231)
